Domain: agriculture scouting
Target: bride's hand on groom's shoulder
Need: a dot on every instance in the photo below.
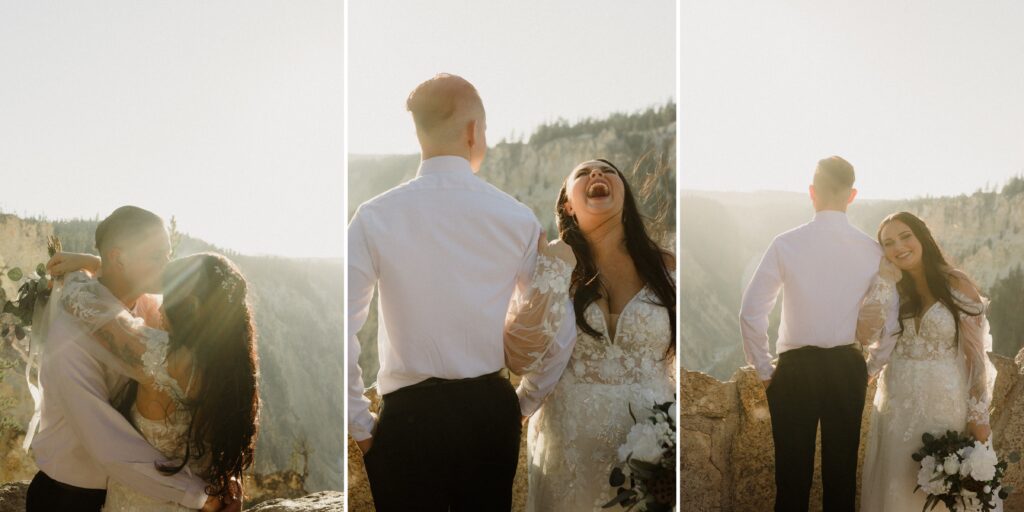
(66, 262)
(556, 248)
(889, 271)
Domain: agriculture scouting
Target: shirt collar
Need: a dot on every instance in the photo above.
(444, 164)
(831, 217)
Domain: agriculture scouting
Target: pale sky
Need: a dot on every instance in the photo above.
(532, 61)
(923, 97)
(226, 114)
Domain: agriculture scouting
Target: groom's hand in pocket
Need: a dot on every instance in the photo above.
(766, 383)
(365, 445)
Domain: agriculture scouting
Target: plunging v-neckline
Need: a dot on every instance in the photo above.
(919, 322)
(604, 319)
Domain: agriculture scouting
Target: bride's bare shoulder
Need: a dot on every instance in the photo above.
(962, 283)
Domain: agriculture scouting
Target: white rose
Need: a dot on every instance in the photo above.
(988, 489)
(983, 460)
(644, 443)
(672, 411)
(951, 465)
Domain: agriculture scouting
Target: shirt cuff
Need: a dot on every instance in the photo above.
(361, 428)
(195, 494)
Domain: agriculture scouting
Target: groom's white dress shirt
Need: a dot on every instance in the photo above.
(446, 251)
(82, 440)
(824, 268)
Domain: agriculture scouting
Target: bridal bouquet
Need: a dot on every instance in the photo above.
(960, 472)
(16, 314)
(649, 457)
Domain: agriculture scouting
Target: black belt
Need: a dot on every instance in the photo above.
(501, 374)
(814, 348)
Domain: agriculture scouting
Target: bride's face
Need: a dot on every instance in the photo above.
(901, 247)
(594, 191)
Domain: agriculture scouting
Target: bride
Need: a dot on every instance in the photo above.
(623, 298)
(937, 374)
(194, 391)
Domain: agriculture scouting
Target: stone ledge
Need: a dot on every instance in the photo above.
(728, 461)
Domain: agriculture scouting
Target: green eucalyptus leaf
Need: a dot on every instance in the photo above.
(41, 270)
(15, 274)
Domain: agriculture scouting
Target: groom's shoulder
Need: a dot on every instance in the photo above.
(505, 201)
(864, 239)
(792, 234)
(389, 195)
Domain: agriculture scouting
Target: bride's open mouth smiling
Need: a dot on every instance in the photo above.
(904, 256)
(598, 190)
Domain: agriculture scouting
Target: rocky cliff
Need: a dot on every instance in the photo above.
(725, 438)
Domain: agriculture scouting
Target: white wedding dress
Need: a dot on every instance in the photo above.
(930, 383)
(573, 440)
(124, 344)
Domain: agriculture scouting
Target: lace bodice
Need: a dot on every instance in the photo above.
(935, 340)
(166, 435)
(635, 354)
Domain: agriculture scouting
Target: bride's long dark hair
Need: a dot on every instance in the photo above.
(648, 258)
(206, 310)
(936, 273)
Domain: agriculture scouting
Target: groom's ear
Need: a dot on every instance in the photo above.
(471, 133)
(853, 194)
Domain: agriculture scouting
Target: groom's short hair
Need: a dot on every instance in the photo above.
(435, 101)
(125, 226)
(833, 176)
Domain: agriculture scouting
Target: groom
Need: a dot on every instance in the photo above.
(823, 268)
(446, 251)
(83, 442)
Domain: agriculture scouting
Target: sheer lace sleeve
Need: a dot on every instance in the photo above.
(876, 322)
(536, 311)
(974, 344)
(117, 339)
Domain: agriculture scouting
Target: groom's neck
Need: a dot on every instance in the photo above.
(428, 153)
(120, 289)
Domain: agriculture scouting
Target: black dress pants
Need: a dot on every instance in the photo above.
(812, 385)
(446, 445)
(48, 495)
